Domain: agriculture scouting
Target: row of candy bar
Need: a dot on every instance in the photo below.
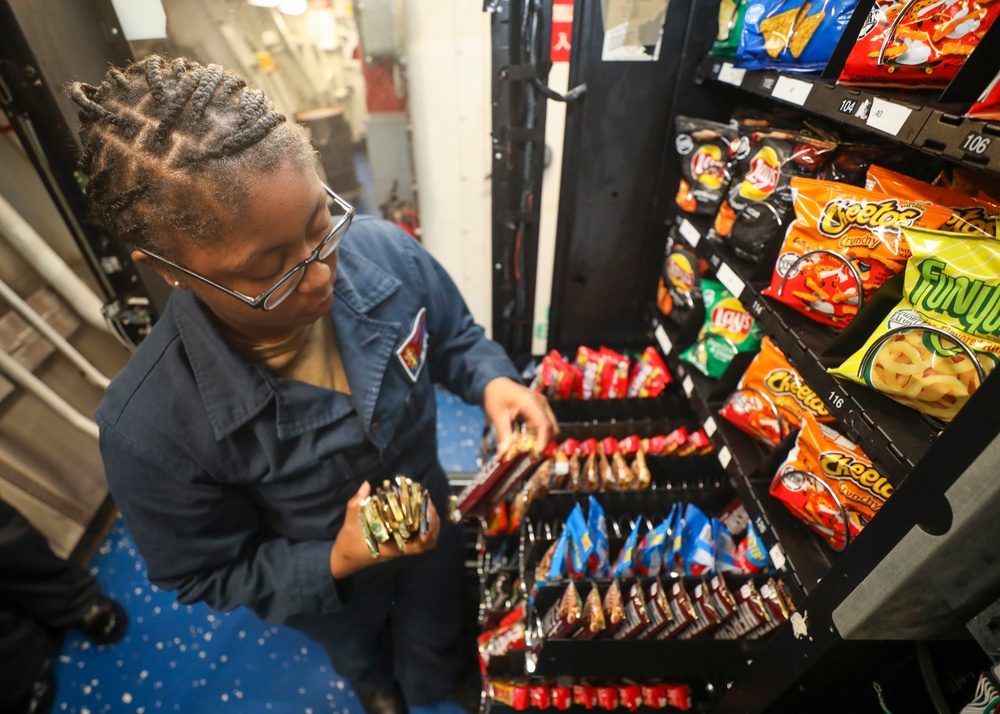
(509, 634)
(667, 610)
(686, 542)
(497, 478)
(398, 511)
(627, 695)
(601, 374)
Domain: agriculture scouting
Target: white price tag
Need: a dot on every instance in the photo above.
(661, 337)
(710, 426)
(731, 75)
(791, 90)
(777, 556)
(688, 385)
(888, 117)
(730, 279)
(725, 456)
(690, 233)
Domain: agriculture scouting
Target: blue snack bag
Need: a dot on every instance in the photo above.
(673, 560)
(557, 570)
(725, 550)
(751, 554)
(625, 564)
(698, 542)
(649, 557)
(797, 36)
(598, 565)
(580, 544)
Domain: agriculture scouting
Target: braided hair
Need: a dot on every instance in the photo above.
(167, 147)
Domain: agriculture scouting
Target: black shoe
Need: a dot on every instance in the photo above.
(382, 701)
(105, 622)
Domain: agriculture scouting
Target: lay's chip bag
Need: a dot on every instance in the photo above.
(797, 36)
(703, 151)
(844, 244)
(951, 300)
(728, 329)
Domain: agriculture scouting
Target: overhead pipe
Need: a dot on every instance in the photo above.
(33, 248)
(92, 374)
(23, 377)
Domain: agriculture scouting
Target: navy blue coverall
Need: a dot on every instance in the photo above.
(234, 481)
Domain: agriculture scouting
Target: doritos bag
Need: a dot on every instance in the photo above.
(703, 149)
(798, 37)
(863, 228)
(771, 398)
(825, 477)
(759, 205)
(919, 44)
(950, 300)
(728, 329)
(970, 215)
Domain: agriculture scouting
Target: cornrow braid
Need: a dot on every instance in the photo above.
(160, 138)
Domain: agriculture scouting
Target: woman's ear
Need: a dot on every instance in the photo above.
(163, 271)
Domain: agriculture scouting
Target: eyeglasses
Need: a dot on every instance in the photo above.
(286, 284)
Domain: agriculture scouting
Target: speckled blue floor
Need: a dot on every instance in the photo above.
(178, 658)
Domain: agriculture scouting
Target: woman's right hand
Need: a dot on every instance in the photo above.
(350, 552)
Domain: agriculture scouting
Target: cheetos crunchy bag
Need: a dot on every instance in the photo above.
(844, 244)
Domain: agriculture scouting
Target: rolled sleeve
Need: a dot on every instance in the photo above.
(316, 589)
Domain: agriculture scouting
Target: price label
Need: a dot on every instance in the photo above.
(688, 385)
(710, 426)
(661, 337)
(731, 75)
(975, 143)
(794, 91)
(888, 117)
(725, 457)
(848, 106)
(756, 308)
(730, 279)
(690, 233)
(777, 556)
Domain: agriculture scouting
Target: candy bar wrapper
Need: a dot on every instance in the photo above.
(751, 554)
(585, 695)
(649, 557)
(682, 611)
(496, 479)
(750, 614)
(563, 618)
(625, 564)
(661, 696)
(541, 481)
(654, 696)
(642, 476)
(636, 618)
(592, 621)
(679, 696)
(698, 541)
(607, 698)
(735, 518)
(658, 610)
(562, 698)
(708, 618)
(498, 521)
(775, 607)
(650, 375)
(629, 696)
(539, 696)
(722, 598)
(581, 546)
(598, 565)
(519, 506)
(589, 362)
(510, 694)
(609, 479)
(614, 608)
(614, 374)
(725, 550)
(560, 471)
(698, 444)
(672, 443)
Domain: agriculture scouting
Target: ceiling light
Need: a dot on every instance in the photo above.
(293, 7)
(264, 3)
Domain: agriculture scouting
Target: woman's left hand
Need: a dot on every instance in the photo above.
(505, 401)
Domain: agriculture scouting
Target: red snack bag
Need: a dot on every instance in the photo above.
(510, 694)
(585, 695)
(538, 696)
(650, 375)
(673, 442)
(609, 446)
(607, 697)
(588, 447)
(919, 44)
(562, 698)
(629, 696)
(589, 362)
(697, 444)
(630, 445)
(679, 696)
(614, 374)
(569, 447)
(654, 696)
(567, 381)
(497, 521)
(655, 445)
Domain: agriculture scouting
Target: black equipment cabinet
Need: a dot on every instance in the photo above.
(923, 570)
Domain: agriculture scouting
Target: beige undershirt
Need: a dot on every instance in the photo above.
(310, 355)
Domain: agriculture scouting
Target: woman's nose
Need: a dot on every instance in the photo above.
(317, 277)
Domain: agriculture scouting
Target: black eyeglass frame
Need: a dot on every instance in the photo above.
(322, 251)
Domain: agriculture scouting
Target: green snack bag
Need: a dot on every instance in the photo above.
(727, 40)
(728, 329)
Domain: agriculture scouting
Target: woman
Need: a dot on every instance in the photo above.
(293, 366)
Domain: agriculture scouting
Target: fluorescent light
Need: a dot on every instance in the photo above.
(293, 7)
(264, 3)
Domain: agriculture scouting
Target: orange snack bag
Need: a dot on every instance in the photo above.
(974, 216)
(827, 477)
(772, 399)
(844, 244)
